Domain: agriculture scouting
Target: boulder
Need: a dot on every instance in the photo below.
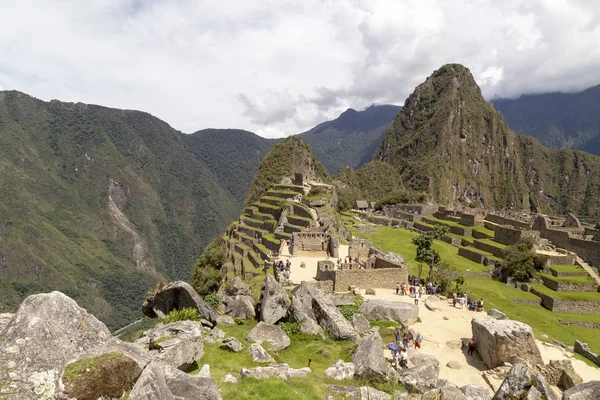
(518, 382)
(237, 301)
(585, 391)
(226, 320)
(453, 364)
(500, 341)
(263, 332)
(281, 371)
(360, 323)
(48, 331)
(444, 393)
(341, 299)
(151, 385)
(311, 304)
(189, 387)
(176, 296)
(418, 358)
(4, 320)
(341, 370)
(207, 323)
(274, 301)
(178, 344)
(387, 310)
(204, 371)
(420, 379)
(231, 344)
(359, 393)
(454, 344)
(433, 303)
(496, 314)
(259, 355)
(370, 291)
(229, 379)
(369, 358)
(475, 391)
(215, 335)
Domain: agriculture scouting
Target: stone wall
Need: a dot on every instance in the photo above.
(325, 270)
(570, 306)
(420, 209)
(382, 263)
(501, 220)
(385, 278)
(380, 220)
(422, 227)
(452, 240)
(467, 219)
(326, 286)
(560, 286)
(584, 350)
(495, 250)
(471, 255)
(359, 249)
(394, 212)
(314, 241)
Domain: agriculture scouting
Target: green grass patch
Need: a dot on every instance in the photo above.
(567, 268)
(573, 279)
(485, 230)
(573, 296)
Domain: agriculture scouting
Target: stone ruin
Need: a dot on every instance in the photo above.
(315, 241)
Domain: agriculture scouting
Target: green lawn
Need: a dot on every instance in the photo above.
(491, 242)
(444, 222)
(582, 296)
(574, 279)
(567, 268)
(485, 230)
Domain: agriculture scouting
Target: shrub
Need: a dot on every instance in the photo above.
(184, 314)
(291, 328)
(348, 311)
(212, 300)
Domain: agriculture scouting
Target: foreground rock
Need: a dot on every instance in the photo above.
(521, 382)
(232, 344)
(496, 314)
(420, 379)
(259, 355)
(274, 301)
(281, 371)
(312, 309)
(177, 344)
(418, 359)
(369, 358)
(341, 370)
(273, 334)
(433, 303)
(560, 373)
(500, 341)
(46, 333)
(4, 320)
(385, 310)
(358, 393)
(475, 391)
(237, 301)
(444, 393)
(360, 323)
(160, 382)
(176, 296)
(585, 391)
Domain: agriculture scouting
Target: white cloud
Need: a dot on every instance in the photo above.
(278, 67)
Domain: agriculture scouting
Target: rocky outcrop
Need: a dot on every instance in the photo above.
(369, 358)
(160, 382)
(385, 310)
(496, 314)
(225, 320)
(177, 344)
(237, 301)
(360, 323)
(500, 341)
(520, 381)
(585, 391)
(176, 296)
(273, 334)
(259, 355)
(274, 301)
(281, 371)
(475, 391)
(4, 320)
(341, 370)
(215, 335)
(311, 306)
(420, 379)
(231, 344)
(560, 373)
(358, 393)
(48, 331)
(444, 393)
(418, 359)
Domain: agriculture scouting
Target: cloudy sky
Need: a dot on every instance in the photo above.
(278, 67)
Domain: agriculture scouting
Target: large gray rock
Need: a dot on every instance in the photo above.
(274, 301)
(263, 332)
(237, 301)
(281, 371)
(311, 304)
(369, 357)
(46, 333)
(418, 358)
(475, 391)
(341, 370)
(215, 335)
(361, 324)
(496, 314)
(226, 320)
(359, 393)
(4, 320)
(585, 391)
(259, 355)
(433, 303)
(444, 393)
(176, 296)
(232, 344)
(387, 310)
(420, 379)
(518, 382)
(161, 382)
(500, 341)
(181, 343)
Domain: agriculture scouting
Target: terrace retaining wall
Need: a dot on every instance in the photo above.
(570, 306)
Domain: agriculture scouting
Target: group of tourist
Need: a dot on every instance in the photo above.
(400, 349)
(461, 300)
(282, 270)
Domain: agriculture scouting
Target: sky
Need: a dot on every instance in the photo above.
(279, 67)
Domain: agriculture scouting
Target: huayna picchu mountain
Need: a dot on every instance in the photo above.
(451, 144)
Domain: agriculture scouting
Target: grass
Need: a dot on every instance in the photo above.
(485, 230)
(567, 268)
(574, 279)
(573, 296)
(491, 242)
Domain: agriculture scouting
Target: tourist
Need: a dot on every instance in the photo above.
(418, 340)
(410, 289)
(417, 298)
(397, 336)
(406, 339)
(397, 288)
(480, 305)
(472, 344)
(404, 358)
(463, 301)
(454, 299)
(395, 359)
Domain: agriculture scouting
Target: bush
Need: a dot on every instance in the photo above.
(520, 260)
(291, 328)
(212, 300)
(184, 314)
(348, 311)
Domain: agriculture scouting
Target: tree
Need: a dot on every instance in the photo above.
(520, 260)
(207, 271)
(425, 254)
(443, 273)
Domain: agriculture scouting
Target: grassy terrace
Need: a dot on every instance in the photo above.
(492, 243)
(574, 279)
(485, 230)
(581, 296)
(567, 268)
(445, 222)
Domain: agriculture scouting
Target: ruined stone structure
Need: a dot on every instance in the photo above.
(315, 241)
(360, 249)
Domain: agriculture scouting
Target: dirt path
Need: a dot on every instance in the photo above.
(438, 331)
